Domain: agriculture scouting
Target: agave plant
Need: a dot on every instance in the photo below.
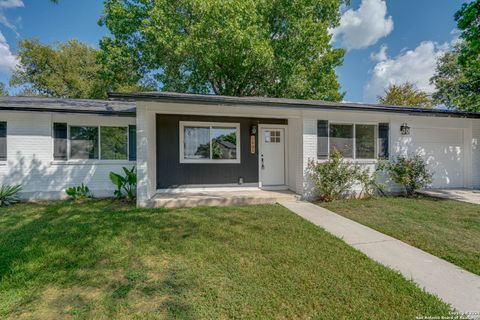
(9, 195)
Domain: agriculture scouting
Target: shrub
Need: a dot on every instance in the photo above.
(79, 192)
(369, 183)
(335, 178)
(126, 185)
(410, 172)
(9, 195)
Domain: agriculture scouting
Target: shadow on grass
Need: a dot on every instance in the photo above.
(92, 244)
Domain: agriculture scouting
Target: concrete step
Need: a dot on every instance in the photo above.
(219, 199)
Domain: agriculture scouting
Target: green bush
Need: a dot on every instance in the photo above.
(409, 172)
(126, 185)
(79, 192)
(335, 177)
(9, 195)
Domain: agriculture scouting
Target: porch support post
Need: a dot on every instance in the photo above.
(146, 155)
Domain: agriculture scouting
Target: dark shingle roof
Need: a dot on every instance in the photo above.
(123, 104)
(289, 103)
(40, 104)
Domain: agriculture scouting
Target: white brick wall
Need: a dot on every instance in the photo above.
(438, 140)
(309, 153)
(30, 156)
(475, 154)
(295, 130)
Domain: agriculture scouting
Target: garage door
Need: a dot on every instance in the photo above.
(444, 152)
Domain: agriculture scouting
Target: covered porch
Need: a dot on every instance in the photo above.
(193, 154)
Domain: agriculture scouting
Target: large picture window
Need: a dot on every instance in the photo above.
(84, 143)
(114, 143)
(341, 139)
(353, 141)
(202, 142)
(365, 141)
(98, 143)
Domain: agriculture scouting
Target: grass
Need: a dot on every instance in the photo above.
(103, 260)
(445, 228)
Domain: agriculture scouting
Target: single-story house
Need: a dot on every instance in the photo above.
(183, 142)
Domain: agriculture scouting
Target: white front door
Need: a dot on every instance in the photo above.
(272, 156)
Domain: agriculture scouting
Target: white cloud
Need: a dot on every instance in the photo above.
(11, 3)
(365, 26)
(7, 59)
(380, 55)
(416, 66)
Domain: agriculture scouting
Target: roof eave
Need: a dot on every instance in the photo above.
(57, 110)
(231, 101)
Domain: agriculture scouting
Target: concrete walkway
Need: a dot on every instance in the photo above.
(452, 284)
(465, 195)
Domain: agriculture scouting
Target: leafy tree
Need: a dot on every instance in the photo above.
(468, 21)
(454, 83)
(3, 90)
(239, 47)
(457, 77)
(28, 92)
(405, 95)
(71, 70)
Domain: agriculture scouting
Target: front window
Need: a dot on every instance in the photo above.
(84, 143)
(196, 143)
(365, 141)
(209, 142)
(114, 143)
(98, 143)
(354, 141)
(224, 143)
(341, 139)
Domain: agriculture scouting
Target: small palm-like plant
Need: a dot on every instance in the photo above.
(9, 195)
(126, 185)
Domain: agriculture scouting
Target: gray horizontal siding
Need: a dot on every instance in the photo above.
(171, 173)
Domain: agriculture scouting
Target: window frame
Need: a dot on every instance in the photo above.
(210, 125)
(99, 128)
(354, 124)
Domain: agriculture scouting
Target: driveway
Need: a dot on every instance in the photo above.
(465, 195)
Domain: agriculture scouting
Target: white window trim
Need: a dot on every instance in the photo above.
(354, 124)
(99, 159)
(183, 124)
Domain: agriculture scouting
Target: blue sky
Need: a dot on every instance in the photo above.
(388, 42)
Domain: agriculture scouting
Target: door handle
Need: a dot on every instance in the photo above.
(263, 163)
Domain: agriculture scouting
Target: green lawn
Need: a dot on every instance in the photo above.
(106, 261)
(445, 228)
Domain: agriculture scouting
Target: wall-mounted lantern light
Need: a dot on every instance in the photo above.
(404, 129)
